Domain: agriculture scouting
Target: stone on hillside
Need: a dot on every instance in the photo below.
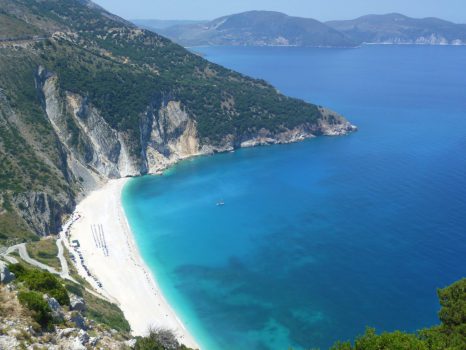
(76, 345)
(65, 333)
(57, 312)
(78, 320)
(77, 303)
(83, 337)
(93, 341)
(5, 275)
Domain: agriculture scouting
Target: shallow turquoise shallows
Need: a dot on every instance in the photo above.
(319, 239)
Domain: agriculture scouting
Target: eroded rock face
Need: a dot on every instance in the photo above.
(88, 138)
(173, 137)
(42, 212)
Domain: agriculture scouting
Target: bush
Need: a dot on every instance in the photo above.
(159, 339)
(41, 311)
(41, 281)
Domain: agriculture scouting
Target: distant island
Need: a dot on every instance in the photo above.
(268, 28)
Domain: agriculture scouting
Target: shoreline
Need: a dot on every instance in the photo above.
(110, 254)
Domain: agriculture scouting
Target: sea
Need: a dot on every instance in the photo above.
(318, 240)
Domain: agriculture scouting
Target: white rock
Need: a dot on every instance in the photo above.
(77, 303)
(131, 343)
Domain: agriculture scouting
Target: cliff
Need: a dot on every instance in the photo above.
(90, 97)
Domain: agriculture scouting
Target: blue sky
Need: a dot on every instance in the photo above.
(454, 10)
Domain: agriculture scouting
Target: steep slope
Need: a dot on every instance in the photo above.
(398, 29)
(86, 96)
(258, 28)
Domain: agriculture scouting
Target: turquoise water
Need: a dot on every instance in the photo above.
(319, 239)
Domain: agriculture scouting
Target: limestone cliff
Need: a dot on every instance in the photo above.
(169, 135)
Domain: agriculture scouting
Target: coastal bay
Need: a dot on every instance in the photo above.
(319, 239)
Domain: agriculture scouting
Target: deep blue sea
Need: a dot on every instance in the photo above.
(319, 239)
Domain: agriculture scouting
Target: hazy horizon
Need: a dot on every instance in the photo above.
(451, 10)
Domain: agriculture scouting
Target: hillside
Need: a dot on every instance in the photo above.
(258, 28)
(86, 96)
(398, 29)
(156, 24)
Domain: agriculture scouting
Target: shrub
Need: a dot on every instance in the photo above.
(449, 335)
(159, 339)
(35, 302)
(41, 281)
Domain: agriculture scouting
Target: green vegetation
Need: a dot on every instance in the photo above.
(13, 230)
(100, 310)
(39, 307)
(449, 335)
(34, 282)
(159, 339)
(45, 251)
(11, 27)
(105, 312)
(41, 281)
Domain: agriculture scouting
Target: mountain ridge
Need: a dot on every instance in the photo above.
(269, 28)
(396, 28)
(259, 28)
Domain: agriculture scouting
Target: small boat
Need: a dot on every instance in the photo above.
(219, 204)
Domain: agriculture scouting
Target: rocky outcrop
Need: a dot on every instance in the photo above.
(57, 312)
(173, 137)
(5, 275)
(333, 124)
(77, 303)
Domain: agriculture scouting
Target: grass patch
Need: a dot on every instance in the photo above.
(100, 310)
(45, 251)
(11, 28)
(105, 312)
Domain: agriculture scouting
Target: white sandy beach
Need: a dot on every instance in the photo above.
(125, 278)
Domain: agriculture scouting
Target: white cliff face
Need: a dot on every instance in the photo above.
(102, 152)
(103, 140)
(433, 39)
(169, 134)
(173, 137)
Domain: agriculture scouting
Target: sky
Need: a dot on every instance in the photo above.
(453, 10)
